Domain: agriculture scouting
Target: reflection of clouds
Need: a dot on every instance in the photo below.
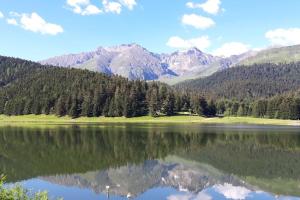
(199, 196)
(180, 197)
(202, 196)
(232, 192)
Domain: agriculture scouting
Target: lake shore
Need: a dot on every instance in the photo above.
(52, 119)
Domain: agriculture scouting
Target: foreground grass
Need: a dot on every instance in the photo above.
(19, 193)
(51, 119)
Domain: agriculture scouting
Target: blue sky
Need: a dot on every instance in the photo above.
(38, 29)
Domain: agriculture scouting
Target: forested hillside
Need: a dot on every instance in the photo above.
(30, 88)
(248, 82)
(261, 91)
(12, 69)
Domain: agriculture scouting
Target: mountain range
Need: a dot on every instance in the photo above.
(137, 63)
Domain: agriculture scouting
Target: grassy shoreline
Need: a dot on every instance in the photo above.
(51, 119)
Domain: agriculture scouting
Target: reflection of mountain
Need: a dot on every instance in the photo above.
(259, 155)
(136, 179)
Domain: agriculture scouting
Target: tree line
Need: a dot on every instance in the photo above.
(30, 88)
(247, 82)
(285, 106)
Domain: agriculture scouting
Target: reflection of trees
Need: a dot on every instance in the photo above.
(31, 152)
(263, 155)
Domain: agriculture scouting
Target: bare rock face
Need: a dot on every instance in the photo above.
(195, 62)
(183, 62)
(137, 63)
(131, 61)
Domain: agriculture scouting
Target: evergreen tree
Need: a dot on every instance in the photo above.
(260, 108)
(212, 109)
(60, 109)
(28, 107)
(153, 102)
(74, 111)
(119, 103)
(168, 104)
(199, 105)
(220, 107)
(87, 106)
(243, 110)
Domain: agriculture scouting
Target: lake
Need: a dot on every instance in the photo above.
(154, 161)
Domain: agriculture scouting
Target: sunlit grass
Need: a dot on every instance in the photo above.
(52, 119)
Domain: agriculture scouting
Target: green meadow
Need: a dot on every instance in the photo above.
(52, 119)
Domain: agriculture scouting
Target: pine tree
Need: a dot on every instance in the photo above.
(234, 108)
(199, 105)
(119, 103)
(60, 108)
(87, 106)
(260, 108)
(178, 103)
(153, 102)
(220, 107)
(28, 107)
(211, 109)
(74, 111)
(168, 104)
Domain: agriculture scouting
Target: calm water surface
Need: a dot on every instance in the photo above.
(173, 162)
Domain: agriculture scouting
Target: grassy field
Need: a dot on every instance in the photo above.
(51, 119)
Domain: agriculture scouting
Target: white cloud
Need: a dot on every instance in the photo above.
(83, 7)
(197, 21)
(1, 15)
(210, 6)
(232, 48)
(91, 10)
(179, 43)
(284, 37)
(12, 21)
(113, 7)
(35, 23)
(129, 3)
(14, 14)
(232, 192)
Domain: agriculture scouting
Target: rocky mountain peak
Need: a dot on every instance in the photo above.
(136, 62)
(194, 50)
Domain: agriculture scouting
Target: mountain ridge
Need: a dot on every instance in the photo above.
(136, 62)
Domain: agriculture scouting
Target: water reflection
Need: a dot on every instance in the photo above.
(175, 162)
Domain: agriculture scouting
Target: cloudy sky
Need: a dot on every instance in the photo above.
(38, 29)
